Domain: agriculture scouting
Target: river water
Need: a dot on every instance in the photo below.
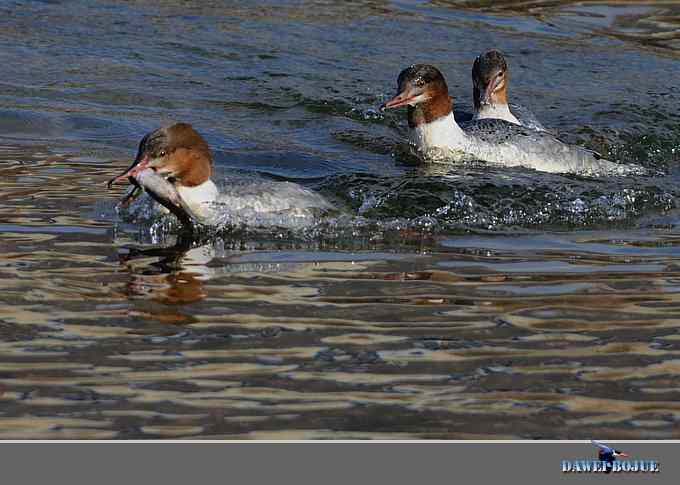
(448, 302)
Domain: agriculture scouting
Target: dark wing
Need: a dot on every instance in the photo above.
(493, 130)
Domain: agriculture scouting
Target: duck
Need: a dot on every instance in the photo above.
(490, 79)
(433, 130)
(174, 165)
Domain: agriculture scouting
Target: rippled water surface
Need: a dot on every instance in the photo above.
(435, 302)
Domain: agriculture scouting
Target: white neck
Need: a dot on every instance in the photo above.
(497, 111)
(199, 198)
(443, 132)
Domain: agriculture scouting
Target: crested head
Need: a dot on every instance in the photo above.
(423, 89)
(168, 138)
(425, 75)
(177, 152)
(489, 63)
(489, 79)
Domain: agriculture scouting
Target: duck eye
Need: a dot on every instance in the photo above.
(500, 74)
(162, 153)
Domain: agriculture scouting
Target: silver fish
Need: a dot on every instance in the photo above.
(166, 194)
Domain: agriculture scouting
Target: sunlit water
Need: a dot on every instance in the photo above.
(432, 302)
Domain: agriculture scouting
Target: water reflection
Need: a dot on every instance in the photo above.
(160, 278)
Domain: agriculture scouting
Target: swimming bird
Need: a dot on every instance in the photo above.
(490, 79)
(435, 132)
(174, 165)
(608, 455)
(182, 157)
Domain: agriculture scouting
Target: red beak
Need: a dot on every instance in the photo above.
(490, 88)
(131, 172)
(622, 455)
(400, 99)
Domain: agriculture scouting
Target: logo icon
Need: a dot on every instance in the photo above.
(609, 460)
(608, 455)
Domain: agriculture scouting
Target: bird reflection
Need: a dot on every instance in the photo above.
(175, 278)
(177, 274)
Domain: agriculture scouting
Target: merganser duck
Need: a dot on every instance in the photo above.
(174, 165)
(490, 78)
(182, 157)
(434, 131)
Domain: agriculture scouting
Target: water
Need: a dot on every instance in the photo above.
(436, 302)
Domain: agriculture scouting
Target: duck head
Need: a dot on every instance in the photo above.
(423, 89)
(490, 80)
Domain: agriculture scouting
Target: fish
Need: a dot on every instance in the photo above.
(166, 194)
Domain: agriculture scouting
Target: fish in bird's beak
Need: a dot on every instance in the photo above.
(132, 195)
(165, 194)
(167, 159)
(128, 174)
(137, 166)
(145, 179)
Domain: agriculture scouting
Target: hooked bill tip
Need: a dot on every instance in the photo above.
(124, 176)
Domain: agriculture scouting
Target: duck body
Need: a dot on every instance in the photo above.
(174, 166)
(500, 142)
(433, 129)
(257, 202)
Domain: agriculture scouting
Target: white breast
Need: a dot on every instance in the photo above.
(199, 198)
(496, 111)
(442, 133)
